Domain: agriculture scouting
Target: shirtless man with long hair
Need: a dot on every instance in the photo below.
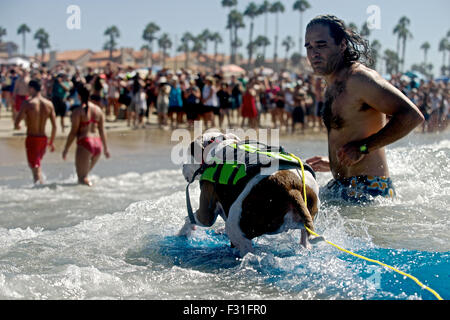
(36, 110)
(86, 121)
(357, 101)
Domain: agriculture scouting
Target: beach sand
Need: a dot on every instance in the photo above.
(121, 139)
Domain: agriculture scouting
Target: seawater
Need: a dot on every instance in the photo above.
(117, 239)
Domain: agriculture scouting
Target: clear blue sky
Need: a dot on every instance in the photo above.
(430, 21)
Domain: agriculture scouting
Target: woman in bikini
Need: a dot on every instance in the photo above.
(86, 120)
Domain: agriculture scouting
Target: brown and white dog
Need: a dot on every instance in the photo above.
(269, 203)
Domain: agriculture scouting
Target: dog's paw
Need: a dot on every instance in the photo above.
(187, 229)
(189, 171)
(315, 240)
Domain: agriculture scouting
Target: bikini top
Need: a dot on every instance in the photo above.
(85, 123)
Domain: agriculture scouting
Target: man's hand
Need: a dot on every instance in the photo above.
(107, 154)
(350, 154)
(319, 164)
(64, 154)
(52, 146)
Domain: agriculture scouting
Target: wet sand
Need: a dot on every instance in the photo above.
(122, 140)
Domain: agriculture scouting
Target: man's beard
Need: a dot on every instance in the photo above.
(334, 63)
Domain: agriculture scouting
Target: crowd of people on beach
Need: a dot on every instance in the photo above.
(284, 101)
(178, 98)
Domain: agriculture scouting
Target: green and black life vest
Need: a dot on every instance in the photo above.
(232, 172)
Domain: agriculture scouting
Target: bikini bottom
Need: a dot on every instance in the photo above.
(92, 144)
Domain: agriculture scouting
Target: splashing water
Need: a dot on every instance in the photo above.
(117, 240)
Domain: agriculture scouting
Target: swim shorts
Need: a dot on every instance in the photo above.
(361, 188)
(36, 147)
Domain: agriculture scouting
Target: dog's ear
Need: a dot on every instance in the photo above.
(196, 151)
(231, 136)
(312, 200)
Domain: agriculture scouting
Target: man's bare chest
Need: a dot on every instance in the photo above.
(341, 107)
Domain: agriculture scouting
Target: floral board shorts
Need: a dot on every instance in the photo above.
(361, 188)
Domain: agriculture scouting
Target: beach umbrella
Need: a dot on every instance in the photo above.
(19, 61)
(442, 79)
(406, 78)
(415, 74)
(232, 69)
(264, 71)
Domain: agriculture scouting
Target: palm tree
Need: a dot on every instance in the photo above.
(235, 22)
(296, 58)
(403, 33)
(448, 49)
(443, 47)
(352, 26)
(113, 33)
(216, 38)
(392, 61)
(2, 33)
(365, 31)
(149, 35)
(252, 12)
(424, 68)
(185, 46)
(264, 9)
(375, 47)
(276, 8)
(262, 42)
(230, 4)
(42, 37)
(164, 43)
(204, 37)
(287, 43)
(23, 29)
(198, 45)
(425, 47)
(301, 6)
(406, 34)
(146, 48)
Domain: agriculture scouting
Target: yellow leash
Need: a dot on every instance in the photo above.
(358, 255)
(303, 175)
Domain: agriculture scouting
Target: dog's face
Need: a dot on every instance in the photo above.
(201, 147)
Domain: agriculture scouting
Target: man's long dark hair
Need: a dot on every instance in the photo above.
(358, 48)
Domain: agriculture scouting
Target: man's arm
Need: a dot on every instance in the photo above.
(75, 118)
(53, 123)
(21, 115)
(101, 132)
(319, 164)
(61, 83)
(385, 98)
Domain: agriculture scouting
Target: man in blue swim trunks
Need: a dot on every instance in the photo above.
(358, 101)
